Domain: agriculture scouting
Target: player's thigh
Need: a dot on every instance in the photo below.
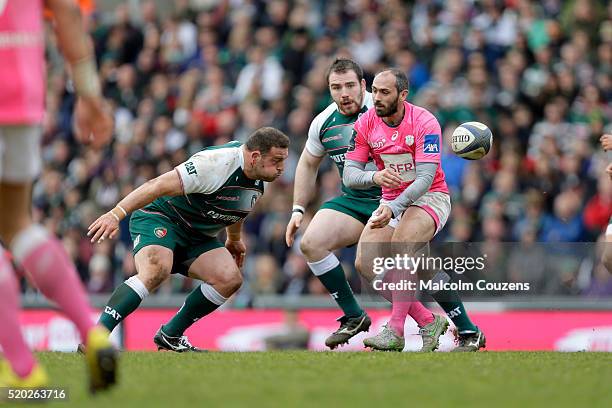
(373, 243)
(153, 265)
(20, 160)
(424, 219)
(154, 240)
(217, 268)
(331, 229)
(20, 163)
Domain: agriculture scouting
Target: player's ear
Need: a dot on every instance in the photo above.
(255, 156)
(403, 95)
(363, 84)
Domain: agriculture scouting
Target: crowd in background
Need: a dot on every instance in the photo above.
(538, 73)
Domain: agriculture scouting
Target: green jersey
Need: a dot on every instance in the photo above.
(330, 133)
(217, 193)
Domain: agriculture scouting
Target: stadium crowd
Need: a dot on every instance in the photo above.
(538, 73)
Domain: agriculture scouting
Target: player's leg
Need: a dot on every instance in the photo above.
(435, 207)
(374, 243)
(22, 369)
(331, 229)
(43, 257)
(221, 279)
(412, 232)
(154, 239)
(153, 265)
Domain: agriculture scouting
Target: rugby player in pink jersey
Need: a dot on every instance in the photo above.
(404, 141)
(42, 256)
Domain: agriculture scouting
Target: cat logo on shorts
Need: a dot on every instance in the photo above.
(160, 232)
(254, 200)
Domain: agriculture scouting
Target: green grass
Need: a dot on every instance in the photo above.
(310, 379)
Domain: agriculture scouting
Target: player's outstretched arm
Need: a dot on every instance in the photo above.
(93, 120)
(303, 186)
(107, 225)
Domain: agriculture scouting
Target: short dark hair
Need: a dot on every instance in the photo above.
(265, 138)
(342, 65)
(401, 80)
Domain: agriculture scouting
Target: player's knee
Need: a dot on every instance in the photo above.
(156, 271)
(309, 246)
(228, 282)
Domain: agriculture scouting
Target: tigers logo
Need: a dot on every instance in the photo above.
(160, 232)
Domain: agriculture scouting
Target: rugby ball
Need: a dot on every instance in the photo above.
(472, 140)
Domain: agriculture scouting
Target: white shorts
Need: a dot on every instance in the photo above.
(20, 160)
(609, 230)
(436, 204)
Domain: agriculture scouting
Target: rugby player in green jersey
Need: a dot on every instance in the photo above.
(175, 221)
(339, 221)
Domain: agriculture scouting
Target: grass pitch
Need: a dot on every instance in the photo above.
(322, 379)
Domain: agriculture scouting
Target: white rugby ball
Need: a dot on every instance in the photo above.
(472, 140)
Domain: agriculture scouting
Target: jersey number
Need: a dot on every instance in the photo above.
(190, 168)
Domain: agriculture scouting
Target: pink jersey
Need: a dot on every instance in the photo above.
(415, 139)
(22, 62)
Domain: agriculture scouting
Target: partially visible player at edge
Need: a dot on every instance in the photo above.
(42, 256)
(340, 221)
(404, 141)
(175, 221)
(606, 144)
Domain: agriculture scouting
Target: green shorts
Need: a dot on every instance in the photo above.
(149, 227)
(359, 208)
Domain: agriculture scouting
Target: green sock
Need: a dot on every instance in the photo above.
(122, 302)
(335, 282)
(195, 307)
(453, 306)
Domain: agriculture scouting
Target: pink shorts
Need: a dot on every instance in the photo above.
(436, 204)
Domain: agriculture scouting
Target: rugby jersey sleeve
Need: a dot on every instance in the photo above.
(206, 171)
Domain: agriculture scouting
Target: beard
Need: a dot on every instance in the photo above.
(383, 111)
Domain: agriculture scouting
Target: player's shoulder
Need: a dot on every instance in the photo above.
(323, 117)
(421, 115)
(367, 118)
(228, 155)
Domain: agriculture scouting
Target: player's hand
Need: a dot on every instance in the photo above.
(292, 227)
(93, 122)
(104, 227)
(237, 249)
(606, 141)
(387, 178)
(609, 170)
(381, 217)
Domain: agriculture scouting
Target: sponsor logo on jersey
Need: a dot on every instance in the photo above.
(160, 232)
(409, 140)
(394, 136)
(227, 198)
(378, 144)
(222, 217)
(332, 138)
(431, 144)
(191, 169)
(137, 241)
(338, 158)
